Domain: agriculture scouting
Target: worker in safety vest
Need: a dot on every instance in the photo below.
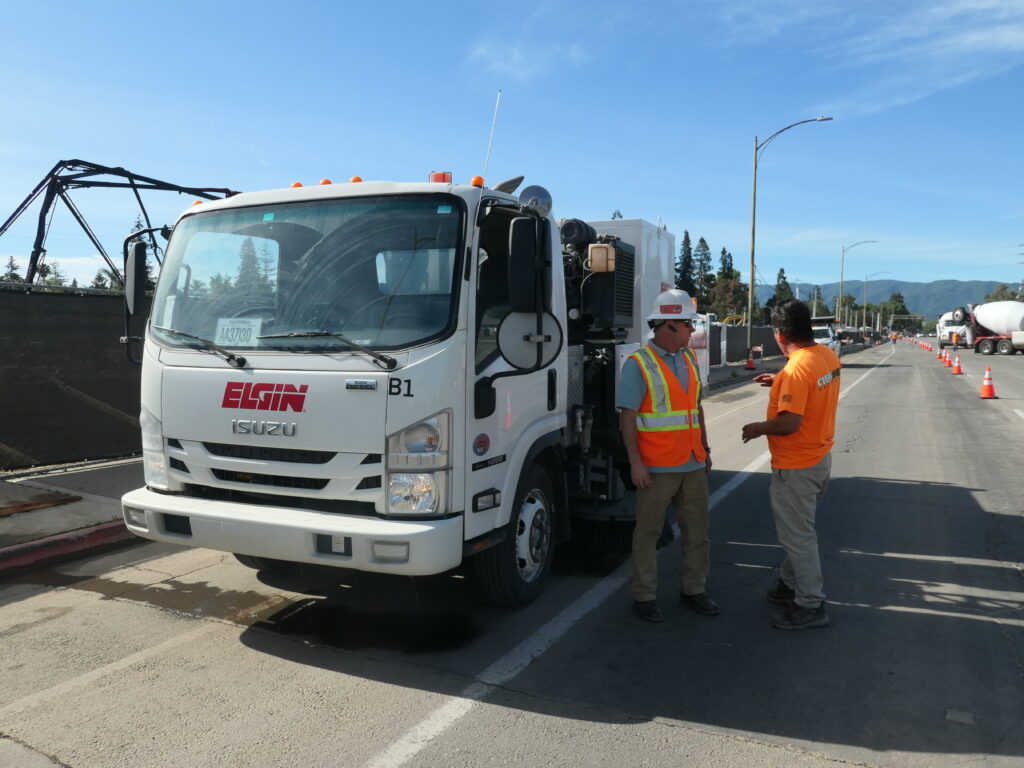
(956, 340)
(663, 430)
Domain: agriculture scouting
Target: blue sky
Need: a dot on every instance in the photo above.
(650, 108)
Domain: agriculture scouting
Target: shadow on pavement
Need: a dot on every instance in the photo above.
(926, 632)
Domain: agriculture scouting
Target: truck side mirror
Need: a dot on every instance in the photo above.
(135, 277)
(522, 265)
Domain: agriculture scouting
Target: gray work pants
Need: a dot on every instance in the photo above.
(795, 494)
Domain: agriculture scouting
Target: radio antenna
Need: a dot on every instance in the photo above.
(490, 139)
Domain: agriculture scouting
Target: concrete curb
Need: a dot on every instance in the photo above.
(61, 546)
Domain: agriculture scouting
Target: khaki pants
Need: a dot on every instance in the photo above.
(688, 493)
(795, 494)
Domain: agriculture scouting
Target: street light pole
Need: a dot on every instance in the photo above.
(758, 147)
(864, 314)
(842, 263)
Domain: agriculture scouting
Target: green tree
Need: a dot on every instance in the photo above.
(1002, 292)
(726, 271)
(219, 285)
(684, 266)
(250, 278)
(728, 297)
(12, 275)
(51, 274)
(783, 290)
(703, 275)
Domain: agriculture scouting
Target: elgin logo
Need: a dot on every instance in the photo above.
(264, 397)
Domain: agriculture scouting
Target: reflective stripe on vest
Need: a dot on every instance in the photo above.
(668, 421)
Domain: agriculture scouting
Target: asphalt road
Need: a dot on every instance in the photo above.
(156, 656)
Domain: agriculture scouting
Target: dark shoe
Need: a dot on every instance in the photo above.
(799, 617)
(648, 610)
(781, 594)
(701, 604)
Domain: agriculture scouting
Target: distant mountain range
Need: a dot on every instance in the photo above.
(928, 299)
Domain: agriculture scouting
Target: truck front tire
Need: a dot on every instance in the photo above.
(513, 573)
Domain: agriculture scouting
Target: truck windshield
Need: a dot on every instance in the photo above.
(822, 333)
(380, 271)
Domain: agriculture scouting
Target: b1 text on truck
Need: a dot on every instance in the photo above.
(391, 377)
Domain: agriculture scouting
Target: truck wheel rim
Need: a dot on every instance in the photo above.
(533, 535)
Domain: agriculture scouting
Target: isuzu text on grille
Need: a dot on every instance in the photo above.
(264, 397)
(240, 427)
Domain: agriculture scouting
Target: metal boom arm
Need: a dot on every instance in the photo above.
(79, 174)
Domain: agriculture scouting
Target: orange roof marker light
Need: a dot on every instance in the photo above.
(296, 184)
(441, 177)
(324, 182)
(477, 181)
(355, 179)
(197, 202)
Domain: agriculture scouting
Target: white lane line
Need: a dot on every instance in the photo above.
(843, 393)
(751, 401)
(19, 705)
(520, 657)
(515, 661)
(1019, 412)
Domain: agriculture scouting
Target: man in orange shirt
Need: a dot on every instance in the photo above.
(800, 429)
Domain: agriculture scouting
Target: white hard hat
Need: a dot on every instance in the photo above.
(674, 304)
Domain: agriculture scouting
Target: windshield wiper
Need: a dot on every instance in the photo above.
(236, 360)
(386, 362)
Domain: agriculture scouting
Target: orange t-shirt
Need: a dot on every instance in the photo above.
(809, 386)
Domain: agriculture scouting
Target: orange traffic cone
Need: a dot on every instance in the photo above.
(988, 391)
(957, 370)
(946, 362)
(938, 354)
(750, 359)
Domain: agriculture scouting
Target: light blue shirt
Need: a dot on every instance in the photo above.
(633, 389)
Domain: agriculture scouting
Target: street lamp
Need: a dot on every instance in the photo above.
(758, 147)
(842, 263)
(864, 314)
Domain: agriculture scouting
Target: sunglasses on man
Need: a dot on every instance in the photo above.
(686, 323)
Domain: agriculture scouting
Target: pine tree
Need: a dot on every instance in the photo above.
(783, 290)
(726, 271)
(12, 275)
(249, 276)
(704, 277)
(684, 266)
(100, 280)
(268, 266)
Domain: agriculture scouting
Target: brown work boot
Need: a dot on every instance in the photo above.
(648, 610)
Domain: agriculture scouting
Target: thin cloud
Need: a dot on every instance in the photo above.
(522, 62)
(902, 51)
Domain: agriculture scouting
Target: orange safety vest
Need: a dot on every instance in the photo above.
(668, 422)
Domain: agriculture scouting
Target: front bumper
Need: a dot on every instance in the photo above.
(404, 547)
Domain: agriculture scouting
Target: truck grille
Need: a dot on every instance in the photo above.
(265, 453)
(278, 481)
(339, 507)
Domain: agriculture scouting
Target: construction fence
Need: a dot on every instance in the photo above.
(69, 392)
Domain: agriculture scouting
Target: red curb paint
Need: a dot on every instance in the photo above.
(62, 545)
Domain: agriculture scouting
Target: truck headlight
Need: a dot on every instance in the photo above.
(413, 494)
(154, 462)
(417, 467)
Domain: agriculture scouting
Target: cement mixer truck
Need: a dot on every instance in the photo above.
(391, 377)
(997, 326)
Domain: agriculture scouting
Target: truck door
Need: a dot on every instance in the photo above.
(508, 402)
